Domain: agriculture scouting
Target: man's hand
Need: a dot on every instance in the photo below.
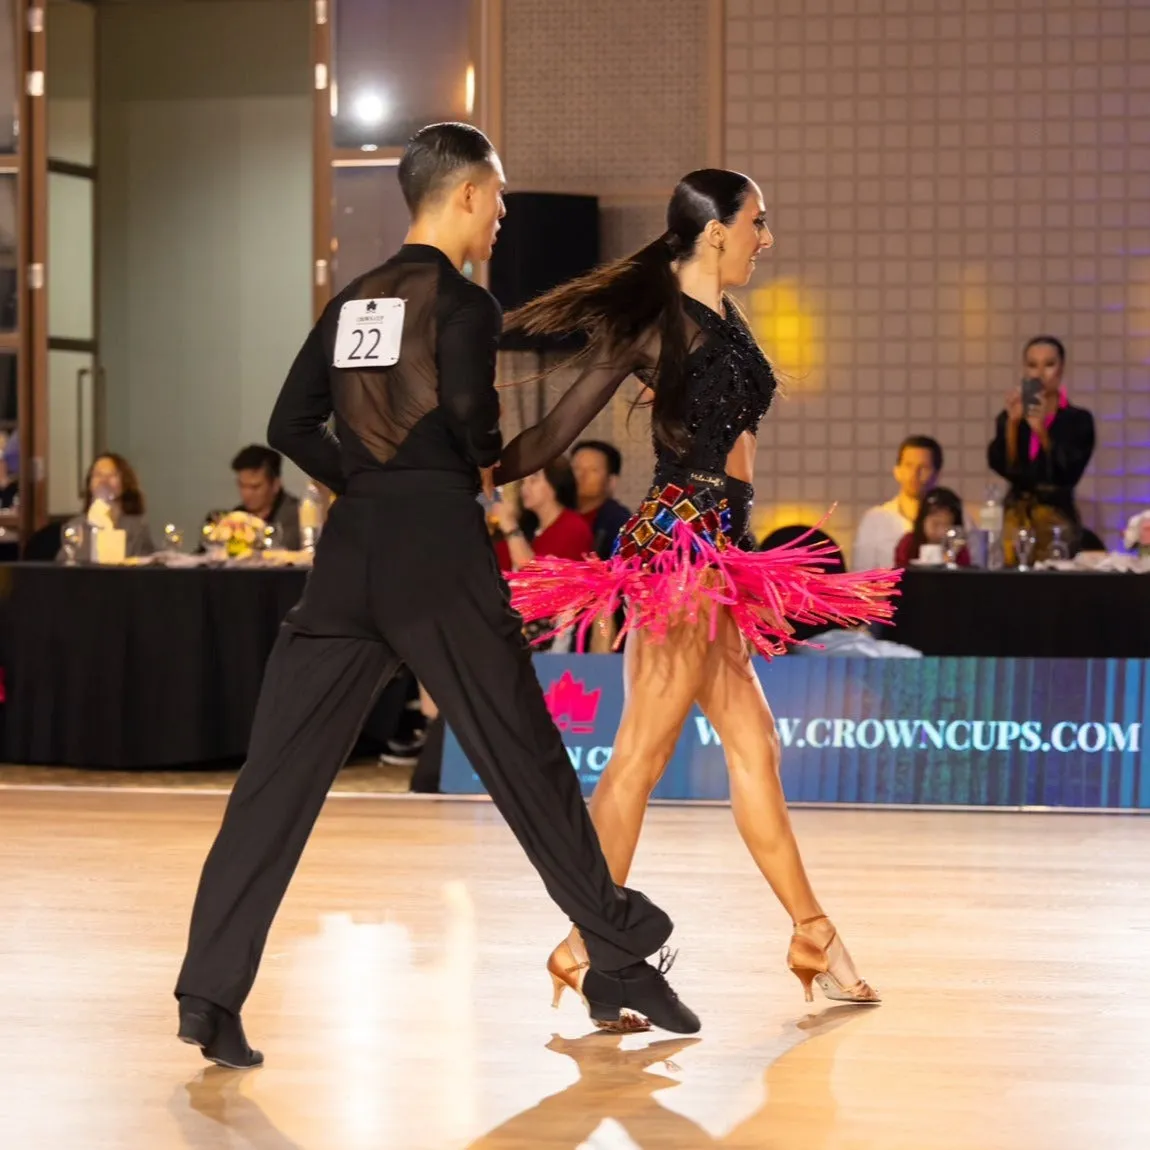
(487, 481)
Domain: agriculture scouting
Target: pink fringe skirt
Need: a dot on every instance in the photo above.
(694, 573)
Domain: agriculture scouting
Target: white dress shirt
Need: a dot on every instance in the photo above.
(879, 533)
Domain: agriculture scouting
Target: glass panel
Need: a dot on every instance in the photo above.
(70, 273)
(9, 436)
(398, 65)
(9, 85)
(8, 284)
(70, 440)
(71, 80)
(369, 220)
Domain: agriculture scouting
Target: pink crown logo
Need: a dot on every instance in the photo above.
(572, 706)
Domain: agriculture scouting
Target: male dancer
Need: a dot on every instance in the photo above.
(404, 358)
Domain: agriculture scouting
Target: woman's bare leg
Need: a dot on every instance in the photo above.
(732, 699)
(661, 681)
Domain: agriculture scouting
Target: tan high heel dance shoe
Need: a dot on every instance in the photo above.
(812, 963)
(564, 969)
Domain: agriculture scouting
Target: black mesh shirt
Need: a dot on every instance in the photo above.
(435, 410)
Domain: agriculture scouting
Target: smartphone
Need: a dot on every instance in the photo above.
(1031, 393)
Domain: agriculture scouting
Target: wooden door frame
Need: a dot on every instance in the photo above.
(33, 270)
(34, 167)
(487, 51)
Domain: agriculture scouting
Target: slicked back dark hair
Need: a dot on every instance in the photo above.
(436, 156)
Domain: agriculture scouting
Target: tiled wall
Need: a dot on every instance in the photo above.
(606, 97)
(945, 178)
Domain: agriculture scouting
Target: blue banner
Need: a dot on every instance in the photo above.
(969, 732)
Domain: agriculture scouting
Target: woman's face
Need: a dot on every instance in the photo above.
(936, 524)
(536, 493)
(744, 238)
(1042, 363)
(105, 479)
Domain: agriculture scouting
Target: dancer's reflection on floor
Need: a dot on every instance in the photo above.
(211, 1111)
(612, 1083)
(798, 1112)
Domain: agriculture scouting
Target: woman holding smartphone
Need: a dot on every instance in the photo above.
(1041, 445)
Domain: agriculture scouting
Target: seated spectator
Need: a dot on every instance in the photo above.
(1041, 446)
(550, 525)
(916, 471)
(597, 466)
(262, 493)
(939, 511)
(112, 480)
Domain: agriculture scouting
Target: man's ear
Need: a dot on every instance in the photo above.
(464, 193)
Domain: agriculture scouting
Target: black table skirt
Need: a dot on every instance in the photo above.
(146, 667)
(136, 667)
(1040, 614)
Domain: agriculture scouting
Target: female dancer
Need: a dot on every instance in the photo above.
(697, 595)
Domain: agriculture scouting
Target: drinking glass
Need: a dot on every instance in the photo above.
(71, 540)
(952, 546)
(174, 537)
(1024, 544)
(1059, 547)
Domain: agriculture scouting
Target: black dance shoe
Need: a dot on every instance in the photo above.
(640, 988)
(217, 1032)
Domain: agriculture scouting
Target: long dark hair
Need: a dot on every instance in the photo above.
(561, 477)
(1048, 340)
(938, 499)
(616, 304)
(131, 496)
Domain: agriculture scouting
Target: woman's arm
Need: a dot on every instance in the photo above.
(592, 390)
(1002, 451)
(519, 551)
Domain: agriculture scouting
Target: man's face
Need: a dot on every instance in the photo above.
(592, 477)
(914, 473)
(258, 490)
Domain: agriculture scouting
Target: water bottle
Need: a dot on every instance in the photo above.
(310, 517)
(1059, 546)
(990, 521)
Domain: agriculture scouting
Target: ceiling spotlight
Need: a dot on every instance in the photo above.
(369, 109)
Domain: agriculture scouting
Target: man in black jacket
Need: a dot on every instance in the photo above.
(404, 358)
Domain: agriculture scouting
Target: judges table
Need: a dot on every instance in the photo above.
(1041, 614)
(149, 667)
(136, 666)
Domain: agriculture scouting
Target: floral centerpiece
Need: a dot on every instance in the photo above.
(1137, 536)
(238, 533)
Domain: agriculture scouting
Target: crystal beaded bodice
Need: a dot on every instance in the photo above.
(730, 387)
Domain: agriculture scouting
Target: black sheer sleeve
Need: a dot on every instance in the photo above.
(298, 425)
(465, 354)
(600, 378)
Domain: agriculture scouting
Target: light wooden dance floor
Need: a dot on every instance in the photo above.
(403, 1001)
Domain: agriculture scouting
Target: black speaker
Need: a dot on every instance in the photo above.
(546, 239)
